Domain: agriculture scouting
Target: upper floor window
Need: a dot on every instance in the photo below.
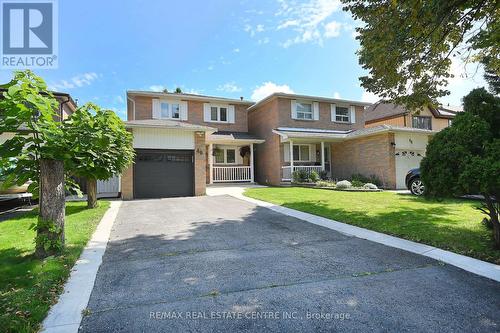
(169, 111)
(304, 111)
(218, 113)
(342, 114)
(422, 122)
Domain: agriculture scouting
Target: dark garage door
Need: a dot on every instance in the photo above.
(163, 173)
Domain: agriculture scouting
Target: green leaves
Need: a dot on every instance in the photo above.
(100, 145)
(465, 157)
(407, 46)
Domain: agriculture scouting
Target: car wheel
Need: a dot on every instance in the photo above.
(417, 187)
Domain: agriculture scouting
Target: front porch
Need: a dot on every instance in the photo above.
(306, 157)
(231, 158)
(307, 150)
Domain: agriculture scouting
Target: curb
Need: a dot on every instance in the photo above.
(66, 315)
(469, 264)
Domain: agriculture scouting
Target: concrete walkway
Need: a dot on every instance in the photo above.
(222, 264)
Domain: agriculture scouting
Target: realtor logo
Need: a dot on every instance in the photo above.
(29, 34)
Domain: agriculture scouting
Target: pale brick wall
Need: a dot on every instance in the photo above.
(127, 183)
(200, 162)
(367, 155)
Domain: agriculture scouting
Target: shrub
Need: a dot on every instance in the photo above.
(323, 175)
(300, 176)
(357, 183)
(344, 184)
(370, 186)
(364, 179)
(313, 176)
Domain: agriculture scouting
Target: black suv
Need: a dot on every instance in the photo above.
(414, 183)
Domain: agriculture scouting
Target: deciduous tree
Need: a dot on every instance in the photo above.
(407, 46)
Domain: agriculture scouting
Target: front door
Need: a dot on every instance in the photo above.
(327, 161)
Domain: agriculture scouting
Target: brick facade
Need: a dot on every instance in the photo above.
(144, 110)
(127, 183)
(372, 155)
(200, 163)
(261, 123)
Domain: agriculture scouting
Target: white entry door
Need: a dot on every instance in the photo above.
(405, 161)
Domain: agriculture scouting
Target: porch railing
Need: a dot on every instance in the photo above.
(232, 174)
(287, 170)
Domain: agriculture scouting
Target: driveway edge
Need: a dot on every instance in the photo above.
(66, 315)
(469, 264)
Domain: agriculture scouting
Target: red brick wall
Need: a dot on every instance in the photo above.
(200, 162)
(144, 109)
(367, 155)
(261, 122)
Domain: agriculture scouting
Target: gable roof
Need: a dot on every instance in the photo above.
(384, 110)
(184, 96)
(307, 97)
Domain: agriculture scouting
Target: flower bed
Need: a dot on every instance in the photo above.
(340, 186)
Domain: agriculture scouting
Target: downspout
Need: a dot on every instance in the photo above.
(133, 106)
(61, 108)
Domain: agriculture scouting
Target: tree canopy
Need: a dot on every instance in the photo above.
(407, 46)
(28, 110)
(99, 145)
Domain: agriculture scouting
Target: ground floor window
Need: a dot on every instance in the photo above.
(225, 156)
(301, 153)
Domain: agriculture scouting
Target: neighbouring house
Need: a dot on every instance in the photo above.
(185, 141)
(410, 146)
(384, 113)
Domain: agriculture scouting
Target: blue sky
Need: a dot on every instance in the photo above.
(223, 48)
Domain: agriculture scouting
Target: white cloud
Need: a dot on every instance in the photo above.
(77, 81)
(369, 97)
(253, 30)
(306, 20)
(229, 87)
(264, 40)
(236, 50)
(157, 87)
(267, 88)
(332, 29)
(210, 68)
(336, 95)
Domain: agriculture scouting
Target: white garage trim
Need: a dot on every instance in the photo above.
(160, 138)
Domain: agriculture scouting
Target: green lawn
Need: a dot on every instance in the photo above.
(29, 286)
(453, 225)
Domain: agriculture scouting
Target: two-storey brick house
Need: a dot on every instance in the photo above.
(184, 141)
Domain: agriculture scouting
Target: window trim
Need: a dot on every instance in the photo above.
(297, 110)
(169, 102)
(348, 115)
(308, 153)
(425, 117)
(224, 154)
(219, 107)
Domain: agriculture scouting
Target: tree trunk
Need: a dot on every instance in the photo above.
(493, 213)
(50, 227)
(91, 193)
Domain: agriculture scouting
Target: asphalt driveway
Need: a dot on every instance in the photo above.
(222, 264)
